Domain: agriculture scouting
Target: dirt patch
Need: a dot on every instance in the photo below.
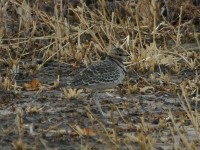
(45, 43)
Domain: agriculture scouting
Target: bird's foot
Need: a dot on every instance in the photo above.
(105, 115)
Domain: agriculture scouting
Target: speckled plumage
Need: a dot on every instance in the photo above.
(102, 75)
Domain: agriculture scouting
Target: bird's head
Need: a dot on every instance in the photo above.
(118, 53)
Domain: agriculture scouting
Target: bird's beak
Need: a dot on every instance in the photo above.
(126, 54)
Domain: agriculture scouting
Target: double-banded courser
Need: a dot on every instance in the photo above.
(101, 75)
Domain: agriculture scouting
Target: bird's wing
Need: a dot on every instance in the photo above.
(99, 72)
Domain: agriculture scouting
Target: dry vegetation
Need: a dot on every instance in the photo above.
(43, 43)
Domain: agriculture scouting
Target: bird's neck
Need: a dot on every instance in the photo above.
(119, 62)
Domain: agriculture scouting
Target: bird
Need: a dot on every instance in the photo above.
(101, 75)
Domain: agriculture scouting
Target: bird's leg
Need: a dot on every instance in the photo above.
(99, 105)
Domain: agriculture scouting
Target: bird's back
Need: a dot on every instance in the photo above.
(100, 75)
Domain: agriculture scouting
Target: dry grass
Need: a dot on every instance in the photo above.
(33, 34)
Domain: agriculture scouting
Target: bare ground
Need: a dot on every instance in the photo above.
(156, 107)
(49, 120)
